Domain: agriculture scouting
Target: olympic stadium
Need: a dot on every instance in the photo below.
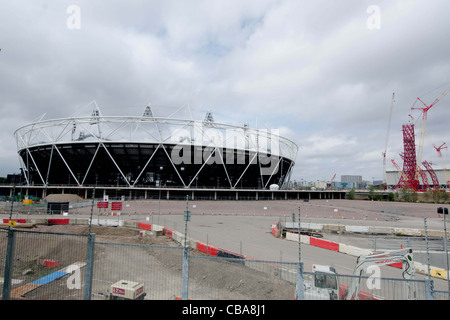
(149, 150)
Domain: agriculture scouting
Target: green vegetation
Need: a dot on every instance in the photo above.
(406, 194)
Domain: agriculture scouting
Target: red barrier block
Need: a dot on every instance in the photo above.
(324, 244)
(58, 221)
(144, 226)
(168, 232)
(212, 251)
(201, 247)
(16, 220)
(206, 249)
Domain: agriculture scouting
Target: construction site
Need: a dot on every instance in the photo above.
(145, 242)
(417, 174)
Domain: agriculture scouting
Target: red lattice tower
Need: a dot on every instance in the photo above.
(433, 176)
(409, 157)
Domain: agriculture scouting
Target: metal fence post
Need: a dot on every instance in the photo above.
(429, 289)
(300, 289)
(9, 264)
(89, 266)
(185, 266)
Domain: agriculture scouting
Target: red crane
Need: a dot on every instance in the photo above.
(387, 137)
(331, 182)
(438, 149)
(424, 120)
(433, 176)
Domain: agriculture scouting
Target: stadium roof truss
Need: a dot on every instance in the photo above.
(133, 133)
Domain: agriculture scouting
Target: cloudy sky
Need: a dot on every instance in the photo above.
(322, 72)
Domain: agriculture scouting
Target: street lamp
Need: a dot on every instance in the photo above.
(444, 211)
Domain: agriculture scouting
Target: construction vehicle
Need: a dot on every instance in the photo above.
(127, 290)
(324, 285)
(404, 256)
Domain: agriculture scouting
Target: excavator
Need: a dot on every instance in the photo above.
(404, 256)
(325, 285)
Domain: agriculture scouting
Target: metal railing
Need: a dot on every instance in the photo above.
(415, 243)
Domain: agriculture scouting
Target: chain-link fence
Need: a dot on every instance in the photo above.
(58, 266)
(158, 268)
(34, 264)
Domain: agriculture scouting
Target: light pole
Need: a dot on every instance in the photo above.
(185, 266)
(299, 291)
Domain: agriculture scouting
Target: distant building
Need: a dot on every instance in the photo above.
(356, 181)
(349, 178)
(393, 177)
(345, 185)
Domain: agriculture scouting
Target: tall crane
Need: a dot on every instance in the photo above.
(331, 182)
(404, 256)
(424, 120)
(438, 149)
(433, 176)
(387, 138)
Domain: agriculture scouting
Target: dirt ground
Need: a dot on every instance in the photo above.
(158, 267)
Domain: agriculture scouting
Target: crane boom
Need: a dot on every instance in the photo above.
(438, 149)
(405, 256)
(424, 120)
(387, 138)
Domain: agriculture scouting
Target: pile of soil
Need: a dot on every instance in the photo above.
(71, 198)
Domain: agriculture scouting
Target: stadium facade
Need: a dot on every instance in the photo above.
(152, 151)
